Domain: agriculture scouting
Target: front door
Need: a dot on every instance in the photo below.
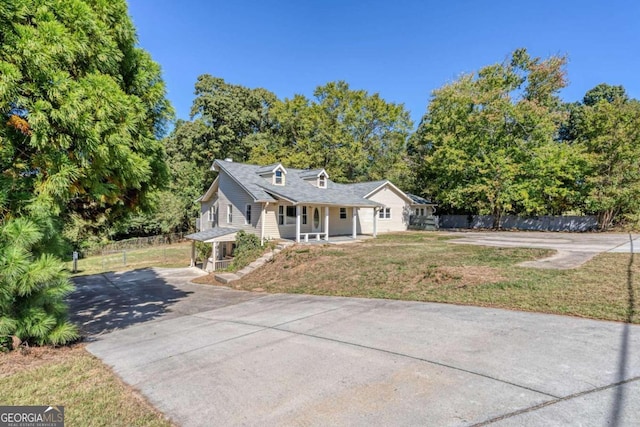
(316, 224)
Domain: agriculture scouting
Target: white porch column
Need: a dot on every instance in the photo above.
(354, 222)
(297, 223)
(326, 222)
(263, 218)
(213, 256)
(375, 222)
(193, 254)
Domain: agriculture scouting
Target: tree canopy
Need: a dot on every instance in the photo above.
(83, 108)
(354, 135)
(82, 111)
(607, 126)
(487, 143)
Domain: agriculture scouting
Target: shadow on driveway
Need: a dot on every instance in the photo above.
(105, 302)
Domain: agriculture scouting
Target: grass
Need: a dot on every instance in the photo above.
(92, 395)
(175, 255)
(423, 266)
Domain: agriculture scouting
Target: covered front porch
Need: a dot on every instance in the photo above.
(335, 240)
(305, 223)
(222, 242)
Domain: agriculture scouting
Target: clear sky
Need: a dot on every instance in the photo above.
(402, 49)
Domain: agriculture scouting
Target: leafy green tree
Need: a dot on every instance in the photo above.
(610, 133)
(605, 92)
(83, 108)
(32, 288)
(225, 120)
(487, 143)
(223, 117)
(82, 111)
(354, 135)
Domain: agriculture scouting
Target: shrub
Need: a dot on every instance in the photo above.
(32, 289)
(248, 248)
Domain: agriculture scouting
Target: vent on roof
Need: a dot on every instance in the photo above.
(228, 159)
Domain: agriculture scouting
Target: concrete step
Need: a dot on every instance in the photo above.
(225, 278)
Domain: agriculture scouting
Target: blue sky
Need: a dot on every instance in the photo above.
(402, 49)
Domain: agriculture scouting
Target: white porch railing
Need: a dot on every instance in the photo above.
(221, 264)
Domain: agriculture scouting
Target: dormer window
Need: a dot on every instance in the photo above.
(322, 181)
(278, 177)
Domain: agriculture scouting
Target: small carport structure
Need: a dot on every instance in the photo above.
(220, 239)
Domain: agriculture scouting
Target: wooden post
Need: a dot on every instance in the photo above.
(193, 254)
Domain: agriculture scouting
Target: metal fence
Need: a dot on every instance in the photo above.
(166, 255)
(135, 243)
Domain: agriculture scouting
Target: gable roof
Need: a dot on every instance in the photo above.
(213, 189)
(270, 169)
(312, 173)
(299, 191)
(417, 200)
(246, 177)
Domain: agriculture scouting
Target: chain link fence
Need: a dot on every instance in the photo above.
(133, 257)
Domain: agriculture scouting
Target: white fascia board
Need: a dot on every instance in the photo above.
(396, 189)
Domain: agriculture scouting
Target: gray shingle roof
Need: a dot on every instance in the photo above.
(266, 169)
(310, 173)
(363, 188)
(296, 189)
(246, 176)
(212, 233)
(419, 200)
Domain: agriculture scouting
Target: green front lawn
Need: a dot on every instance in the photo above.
(424, 266)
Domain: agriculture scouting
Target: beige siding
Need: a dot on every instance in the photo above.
(271, 230)
(339, 226)
(399, 210)
(230, 193)
(365, 220)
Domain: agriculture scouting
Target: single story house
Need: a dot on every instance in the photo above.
(274, 202)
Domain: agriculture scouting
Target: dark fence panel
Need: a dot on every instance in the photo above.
(536, 223)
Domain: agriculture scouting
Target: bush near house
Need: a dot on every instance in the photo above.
(248, 248)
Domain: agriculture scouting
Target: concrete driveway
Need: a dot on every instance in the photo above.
(213, 356)
(573, 249)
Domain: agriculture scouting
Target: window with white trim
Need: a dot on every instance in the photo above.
(229, 214)
(384, 213)
(322, 181)
(304, 215)
(278, 177)
(211, 214)
(343, 213)
(280, 215)
(247, 214)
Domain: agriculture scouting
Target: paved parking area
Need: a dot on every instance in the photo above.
(573, 249)
(213, 356)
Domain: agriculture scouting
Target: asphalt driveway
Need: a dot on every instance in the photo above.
(572, 249)
(212, 356)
